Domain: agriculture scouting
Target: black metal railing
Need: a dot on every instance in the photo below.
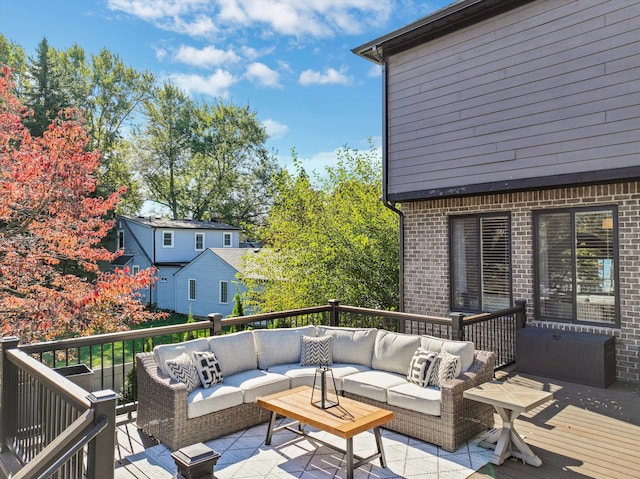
(53, 427)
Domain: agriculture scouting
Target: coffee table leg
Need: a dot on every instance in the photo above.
(383, 460)
(272, 423)
(350, 458)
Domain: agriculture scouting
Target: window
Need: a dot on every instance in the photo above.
(135, 269)
(192, 290)
(226, 239)
(120, 239)
(576, 265)
(199, 241)
(224, 292)
(167, 239)
(480, 259)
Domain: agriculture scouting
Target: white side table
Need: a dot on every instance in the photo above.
(509, 400)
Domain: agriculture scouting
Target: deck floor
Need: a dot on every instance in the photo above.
(583, 433)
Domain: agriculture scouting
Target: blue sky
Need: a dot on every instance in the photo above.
(291, 60)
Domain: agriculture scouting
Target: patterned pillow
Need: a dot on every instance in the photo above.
(208, 368)
(421, 366)
(444, 368)
(182, 370)
(316, 351)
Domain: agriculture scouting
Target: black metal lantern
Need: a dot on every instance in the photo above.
(325, 392)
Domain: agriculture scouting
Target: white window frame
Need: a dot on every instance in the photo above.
(195, 241)
(170, 233)
(226, 284)
(135, 269)
(190, 289)
(226, 235)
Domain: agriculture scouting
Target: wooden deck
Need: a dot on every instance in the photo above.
(583, 433)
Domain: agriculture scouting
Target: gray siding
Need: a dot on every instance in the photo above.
(208, 270)
(165, 291)
(547, 89)
(184, 243)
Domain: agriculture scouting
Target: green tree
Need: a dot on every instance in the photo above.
(43, 93)
(238, 308)
(12, 55)
(327, 238)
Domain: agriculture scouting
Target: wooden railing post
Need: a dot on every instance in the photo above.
(216, 324)
(101, 451)
(521, 316)
(457, 326)
(334, 316)
(9, 385)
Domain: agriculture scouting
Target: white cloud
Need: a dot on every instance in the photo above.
(275, 129)
(262, 75)
(216, 84)
(315, 18)
(206, 57)
(331, 76)
(375, 71)
(161, 54)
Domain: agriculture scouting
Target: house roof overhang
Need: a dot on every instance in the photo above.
(453, 17)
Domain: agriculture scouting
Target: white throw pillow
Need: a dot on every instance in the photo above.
(421, 367)
(208, 368)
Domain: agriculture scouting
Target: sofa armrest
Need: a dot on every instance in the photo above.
(481, 371)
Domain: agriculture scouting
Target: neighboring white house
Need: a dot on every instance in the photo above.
(196, 262)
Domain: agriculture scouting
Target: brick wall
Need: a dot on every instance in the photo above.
(426, 255)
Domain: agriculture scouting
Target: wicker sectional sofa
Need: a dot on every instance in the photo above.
(369, 365)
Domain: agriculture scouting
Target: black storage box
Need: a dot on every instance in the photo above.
(582, 358)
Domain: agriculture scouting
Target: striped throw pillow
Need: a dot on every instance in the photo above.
(444, 369)
(182, 370)
(316, 351)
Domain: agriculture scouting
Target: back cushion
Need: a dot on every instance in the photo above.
(165, 352)
(393, 351)
(463, 349)
(351, 345)
(235, 352)
(280, 346)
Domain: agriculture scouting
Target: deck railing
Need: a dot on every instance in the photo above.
(56, 419)
(52, 427)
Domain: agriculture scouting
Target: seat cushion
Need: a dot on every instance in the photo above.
(216, 398)
(235, 352)
(256, 383)
(298, 375)
(372, 384)
(350, 345)
(392, 352)
(164, 352)
(280, 346)
(415, 398)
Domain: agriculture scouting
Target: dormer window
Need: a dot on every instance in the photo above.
(120, 239)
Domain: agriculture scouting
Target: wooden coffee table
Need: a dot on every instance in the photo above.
(509, 400)
(345, 421)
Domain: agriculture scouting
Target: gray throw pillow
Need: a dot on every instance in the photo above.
(444, 368)
(316, 351)
(182, 370)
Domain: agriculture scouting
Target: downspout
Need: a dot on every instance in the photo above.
(385, 147)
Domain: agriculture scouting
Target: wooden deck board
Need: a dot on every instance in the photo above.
(585, 433)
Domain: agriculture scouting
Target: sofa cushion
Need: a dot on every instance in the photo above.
(235, 352)
(316, 351)
(256, 382)
(464, 349)
(280, 346)
(298, 375)
(163, 352)
(182, 370)
(372, 384)
(350, 345)
(208, 368)
(216, 398)
(392, 352)
(421, 367)
(444, 368)
(415, 398)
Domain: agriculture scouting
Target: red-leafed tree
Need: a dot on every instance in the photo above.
(50, 232)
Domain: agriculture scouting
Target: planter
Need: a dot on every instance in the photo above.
(79, 374)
